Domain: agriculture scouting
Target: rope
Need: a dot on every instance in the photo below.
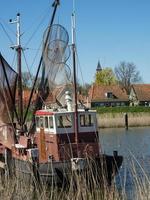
(37, 28)
(9, 38)
(27, 65)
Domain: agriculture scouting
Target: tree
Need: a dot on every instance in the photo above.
(127, 74)
(105, 77)
(83, 89)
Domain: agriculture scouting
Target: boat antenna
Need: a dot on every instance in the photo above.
(18, 48)
(54, 5)
(74, 73)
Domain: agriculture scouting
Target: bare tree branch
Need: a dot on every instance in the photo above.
(127, 74)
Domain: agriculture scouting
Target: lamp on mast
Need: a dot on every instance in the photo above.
(18, 35)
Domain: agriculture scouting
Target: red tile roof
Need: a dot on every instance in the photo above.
(54, 94)
(26, 96)
(142, 91)
(98, 93)
(58, 90)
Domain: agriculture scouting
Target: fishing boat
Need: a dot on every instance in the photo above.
(63, 139)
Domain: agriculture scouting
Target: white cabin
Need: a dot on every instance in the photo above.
(63, 121)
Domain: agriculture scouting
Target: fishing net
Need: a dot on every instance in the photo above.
(8, 78)
(55, 72)
(55, 56)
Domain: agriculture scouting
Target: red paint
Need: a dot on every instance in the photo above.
(43, 112)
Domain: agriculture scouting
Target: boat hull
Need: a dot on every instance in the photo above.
(102, 170)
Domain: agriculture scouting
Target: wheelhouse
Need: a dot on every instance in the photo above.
(63, 121)
(59, 133)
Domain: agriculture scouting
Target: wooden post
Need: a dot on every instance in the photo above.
(8, 163)
(42, 149)
(126, 121)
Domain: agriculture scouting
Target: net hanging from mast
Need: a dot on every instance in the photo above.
(56, 55)
(8, 79)
(55, 71)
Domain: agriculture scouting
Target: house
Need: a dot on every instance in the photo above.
(26, 96)
(112, 95)
(140, 95)
(57, 97)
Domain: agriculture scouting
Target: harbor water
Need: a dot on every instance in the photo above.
(134, 145)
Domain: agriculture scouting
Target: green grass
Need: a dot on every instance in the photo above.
(135, 109)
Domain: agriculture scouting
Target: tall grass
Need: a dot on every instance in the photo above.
(13, 188)
(79, 189)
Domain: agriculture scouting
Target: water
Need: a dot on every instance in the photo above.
(134, 145)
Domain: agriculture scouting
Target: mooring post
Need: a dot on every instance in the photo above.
(126, 121)
(8, 163)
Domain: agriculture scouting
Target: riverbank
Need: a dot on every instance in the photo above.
(116, 120)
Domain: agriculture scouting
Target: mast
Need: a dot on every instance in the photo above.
(74, 77)
(18, 48)
(54, 5)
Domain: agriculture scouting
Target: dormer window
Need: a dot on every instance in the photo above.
(109, 95)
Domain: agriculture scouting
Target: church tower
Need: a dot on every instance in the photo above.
(99, 68)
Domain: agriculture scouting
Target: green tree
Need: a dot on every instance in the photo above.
(127, 74)
(105, 77)
(83, 89)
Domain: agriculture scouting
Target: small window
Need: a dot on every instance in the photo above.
(64, 121)
(123, 104)
(118, 104)
(86, 120)
(51, 122)
(112, 104)
(46, 122)
(41, 122)
(109, 95)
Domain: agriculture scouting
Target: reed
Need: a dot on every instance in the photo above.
(116, 120)
(83, 186)
(13, 188)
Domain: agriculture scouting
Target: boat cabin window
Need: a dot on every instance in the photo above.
(64, 121)
(86, 120)
(39, 122)
(45, 122)
(51, 122)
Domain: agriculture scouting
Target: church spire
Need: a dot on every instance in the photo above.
(99, 68)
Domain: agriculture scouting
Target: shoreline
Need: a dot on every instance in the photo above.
(117, 120)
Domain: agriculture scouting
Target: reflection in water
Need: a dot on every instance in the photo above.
(134, 145)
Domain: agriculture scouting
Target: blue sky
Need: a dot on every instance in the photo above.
(107, 30)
